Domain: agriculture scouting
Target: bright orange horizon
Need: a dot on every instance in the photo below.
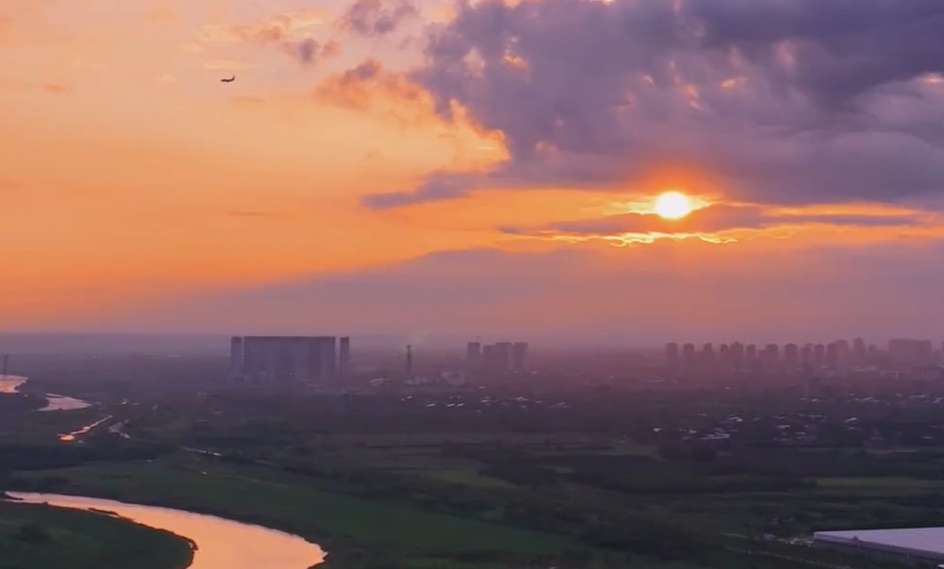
(356, 176)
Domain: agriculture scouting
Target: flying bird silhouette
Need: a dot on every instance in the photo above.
(230, 80)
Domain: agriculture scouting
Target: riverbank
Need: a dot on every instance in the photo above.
(35, 536)
(15, 384)
(217, 542)
(357, 532)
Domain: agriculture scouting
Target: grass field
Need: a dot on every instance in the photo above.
(266, 497)
(42, 537)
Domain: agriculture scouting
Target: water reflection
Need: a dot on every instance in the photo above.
(54, 401)
(11, 383)
(221, 543)
(84, 430)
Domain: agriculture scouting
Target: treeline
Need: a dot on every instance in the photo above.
(43, 457)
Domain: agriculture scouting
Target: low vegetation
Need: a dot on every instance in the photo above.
(42, 537)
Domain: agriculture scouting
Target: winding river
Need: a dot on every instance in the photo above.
(221, 543)
(54, 402)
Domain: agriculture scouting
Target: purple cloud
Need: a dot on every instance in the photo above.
(786, 102)
(378, 17)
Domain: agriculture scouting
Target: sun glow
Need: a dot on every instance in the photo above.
(673, 205)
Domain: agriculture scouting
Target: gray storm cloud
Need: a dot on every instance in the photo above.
(786, 101)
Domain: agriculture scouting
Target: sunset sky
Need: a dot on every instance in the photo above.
(474, 167)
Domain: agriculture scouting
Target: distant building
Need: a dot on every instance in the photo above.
(819, 355)
(928, 373)
(708, 354)
(688, 355)
(344, 357)
(806, 355)
(503, 356)
(737, 355)
(285, 358)
(771, 356)
(500, 357)
(859, 352)
(791, 355)
(236, 358)
(750, 354)
(490, 361)
(843, 353)
(832, 355)
(519, 356)
(908, 351)
(473, 355)
(672, 354)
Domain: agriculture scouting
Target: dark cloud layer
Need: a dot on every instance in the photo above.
(785, 101)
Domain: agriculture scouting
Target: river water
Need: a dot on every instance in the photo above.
(54, 402)
(221, 543)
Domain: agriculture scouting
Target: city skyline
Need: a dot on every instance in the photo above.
(415, 168)
(837, 353)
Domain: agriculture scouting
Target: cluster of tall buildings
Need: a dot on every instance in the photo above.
(306, 359)
(838, 354)
(501, 357)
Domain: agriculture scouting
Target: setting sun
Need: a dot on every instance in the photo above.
(673, 205)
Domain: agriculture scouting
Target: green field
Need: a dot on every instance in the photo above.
(257, 495)
(42, 537)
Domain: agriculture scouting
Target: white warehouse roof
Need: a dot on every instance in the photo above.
(926, 543)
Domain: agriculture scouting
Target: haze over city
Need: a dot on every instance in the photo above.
(474, 168)
(472, 284)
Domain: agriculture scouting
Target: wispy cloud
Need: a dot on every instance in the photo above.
(254, 214)
(292, 33)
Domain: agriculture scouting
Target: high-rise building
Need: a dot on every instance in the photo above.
(344, 357)
(473, 355)
(724, 355)
(236, 358)
(819, 355)
(489, 360)
(519, 356)
(672, 354)
(503, 355)
(750, 354)
(737, 355)
(843, 352)
(771, 357)
(806, 354)
(858, 351)
(913, 352)
(688, 355)
(285, 358)
(500, 357)
(791, 355)
(832, 355)
(708, 354)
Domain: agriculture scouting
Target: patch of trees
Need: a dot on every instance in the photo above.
(33, 534)
(43, 457)
(521, 473)
(824, 463)
(700, 454)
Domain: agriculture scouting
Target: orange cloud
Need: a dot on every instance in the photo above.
(274, 28)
